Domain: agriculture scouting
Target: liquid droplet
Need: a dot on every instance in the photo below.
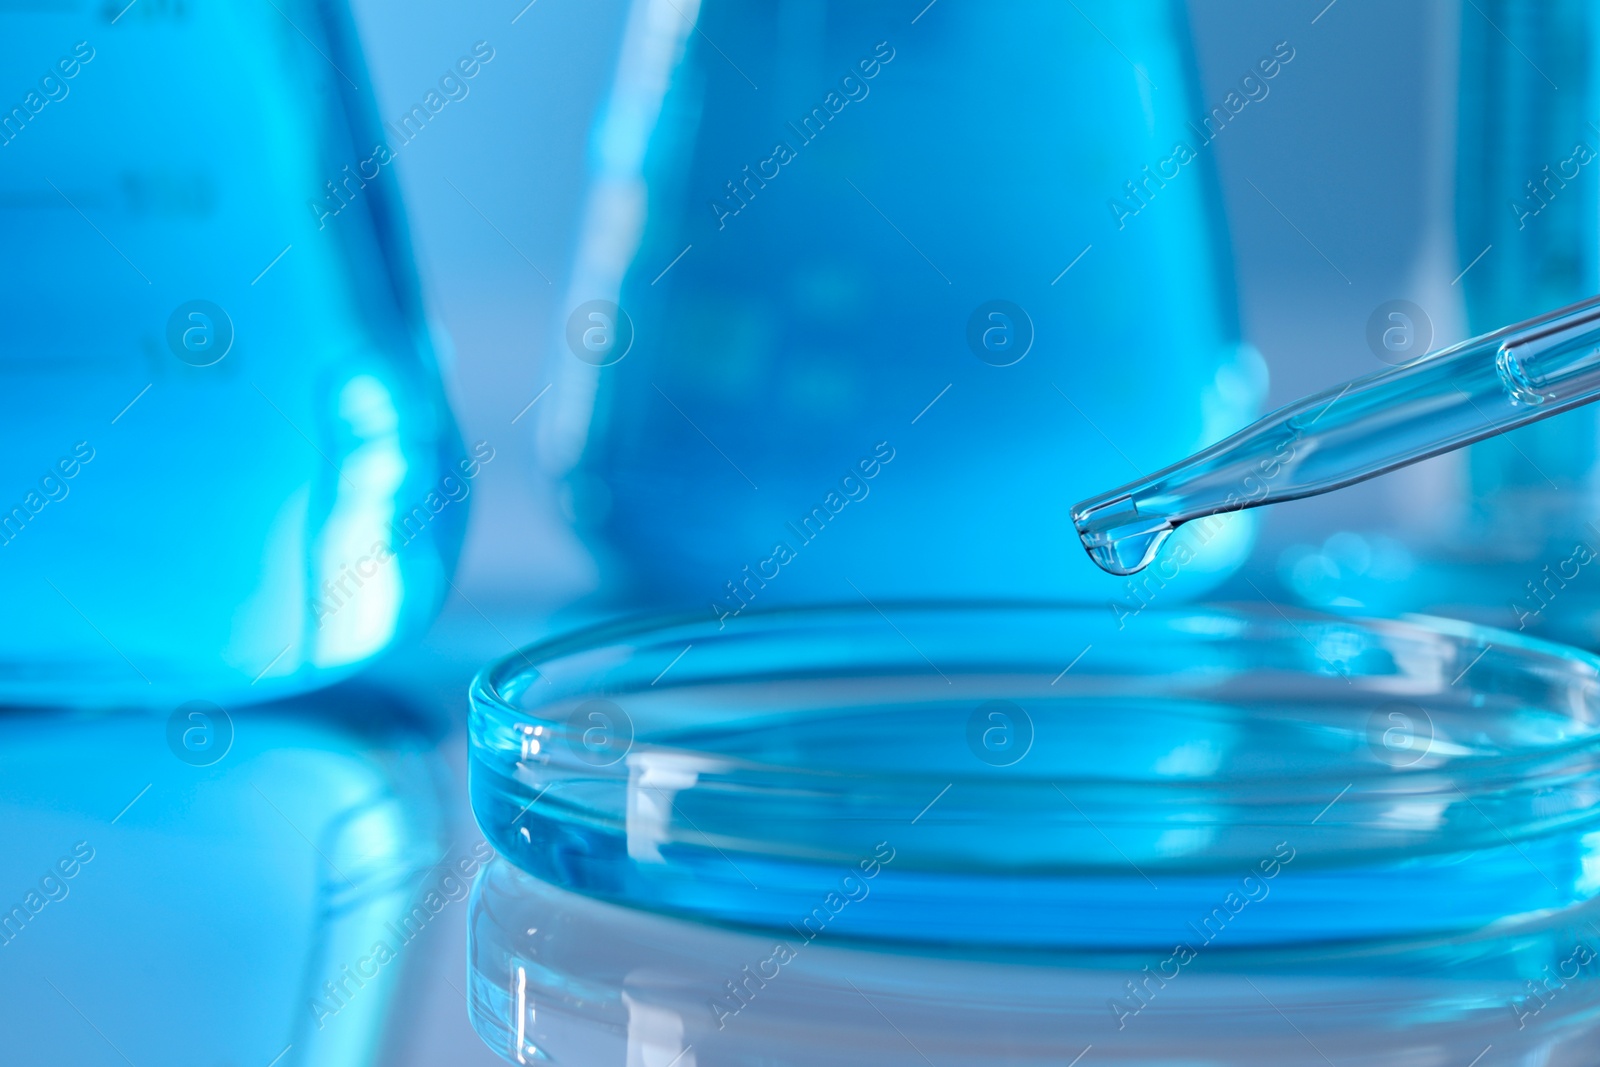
(1128, 554)
(1514, 376)
(1119, 539)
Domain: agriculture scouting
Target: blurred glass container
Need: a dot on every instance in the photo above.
(226, 461)
(1526, 190)
(861, 294)
(1505, 532)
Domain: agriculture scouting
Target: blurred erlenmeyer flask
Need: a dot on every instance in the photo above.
(865, 295)
(1503, 532)
(226, 461)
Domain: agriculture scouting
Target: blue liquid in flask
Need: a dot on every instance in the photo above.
(224, 426)
(877, 282)
(1502, 530)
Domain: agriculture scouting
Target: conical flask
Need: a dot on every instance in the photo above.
(863, 293)
(227, 468)
(1502, 533)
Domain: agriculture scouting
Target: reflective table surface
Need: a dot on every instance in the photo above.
(303, 883)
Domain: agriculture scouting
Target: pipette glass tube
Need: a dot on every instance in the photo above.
(1359, 430)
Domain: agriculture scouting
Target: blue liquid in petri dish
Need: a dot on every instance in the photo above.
(891, 293)
(224, 427)
(1095, 788)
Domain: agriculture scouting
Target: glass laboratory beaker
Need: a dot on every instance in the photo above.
(228, 465)
(1503, 533)
(865, 295)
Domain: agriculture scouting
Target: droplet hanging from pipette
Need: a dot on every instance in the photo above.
(1118, 538)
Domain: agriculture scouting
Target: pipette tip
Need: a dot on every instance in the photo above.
(1118, 539)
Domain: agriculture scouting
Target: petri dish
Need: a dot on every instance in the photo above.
(559, 978)
(1015, 777)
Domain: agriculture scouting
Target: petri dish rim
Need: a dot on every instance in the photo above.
(490, 687)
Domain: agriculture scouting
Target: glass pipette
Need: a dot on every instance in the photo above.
(1364, 428)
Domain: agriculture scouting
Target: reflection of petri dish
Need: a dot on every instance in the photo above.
(1240, 776)
(560, 978)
